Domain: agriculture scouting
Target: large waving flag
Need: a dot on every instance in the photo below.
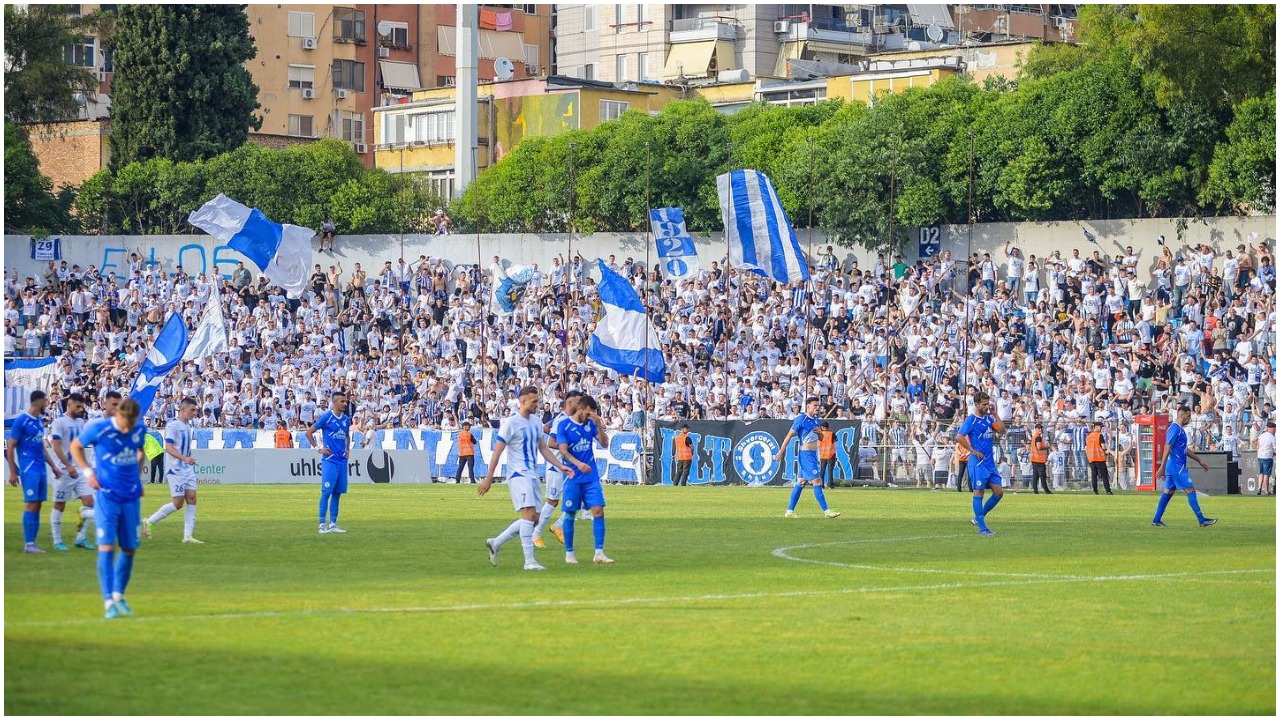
(676, 250)
(509, 288)
(163, 357)
(281, 252)
(23, 376)
(623, 340)
(760, 237)
(210, 337)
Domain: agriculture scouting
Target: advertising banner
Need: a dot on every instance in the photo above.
(738, 453)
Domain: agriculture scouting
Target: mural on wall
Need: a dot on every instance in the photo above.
(520, 117)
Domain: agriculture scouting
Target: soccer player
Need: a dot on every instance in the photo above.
(576, 438)
(335, 428)
(26, 441)
(1173, 468)
(182, 478)
(806, 428)
(555, 481)
(976, 435)
(72, 484)
(522, 434)
(117, 479)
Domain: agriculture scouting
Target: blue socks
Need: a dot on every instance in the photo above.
(597, 528)
(1195, 505)
(991, 503)
(30, 525)
(333, 507)
(106, 572)
(795, 496)
(324, 503)
(1164, 503)
(569, 523)
(124, 568)
(978, 513)
(820, 496)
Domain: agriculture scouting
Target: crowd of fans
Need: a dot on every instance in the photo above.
(1057, 341)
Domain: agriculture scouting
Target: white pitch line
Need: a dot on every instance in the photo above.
(613, 602)
(785, 554)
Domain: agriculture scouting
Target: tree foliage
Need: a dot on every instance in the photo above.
(299, 185)
(181, 90)
(39, 85)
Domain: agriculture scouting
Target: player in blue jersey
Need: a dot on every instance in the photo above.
(1173, 468)
(806, 427)
(27, 457)
(522, 438)
(117, 481)
(335, 428)
(576, 438)
(555, 481)
(977, 434)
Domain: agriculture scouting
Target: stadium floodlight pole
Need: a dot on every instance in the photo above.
(964, 370)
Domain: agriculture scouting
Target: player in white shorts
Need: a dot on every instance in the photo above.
(522, 437)
(555, 481)
(73, 483)
(181, 475)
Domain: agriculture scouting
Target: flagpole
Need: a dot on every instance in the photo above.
(964, 371)
(571, 290)
(808, 324)
(484, 323)
(724, 363)
(644, 286)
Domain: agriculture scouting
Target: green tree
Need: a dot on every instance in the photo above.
(30, 206)
(1242, 176)
(39, 85)
(181, 90)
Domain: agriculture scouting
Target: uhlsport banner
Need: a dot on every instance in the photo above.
(738, 453)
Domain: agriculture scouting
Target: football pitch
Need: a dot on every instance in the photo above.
(716, 605)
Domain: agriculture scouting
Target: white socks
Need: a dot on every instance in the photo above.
(55, 526)
(86, 514)
(164, 512)
(526, 541)
(543, 517)
(188, 520)
(512, 530)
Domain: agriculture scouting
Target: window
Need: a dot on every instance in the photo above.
(398, 37)
(612, 109)
(434, 128)
(348, 75)
(617, 18)
(348, 25)
(393, 128)
(588, 17)
(531, 55)
(302, 24)
(642, 66)
(640, 17)
(440, 183)
(621, 68)
(352, 125)
(446, 80)
(108, 58)
(80, 54)
(302, 77)
(589, 71)
(300, 126)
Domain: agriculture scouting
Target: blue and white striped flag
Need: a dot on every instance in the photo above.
(623, 340)
(163, 357)
(676, 250)
(23, 376)
(281, 252)
(759, 234)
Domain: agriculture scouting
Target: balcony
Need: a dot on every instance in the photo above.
(822, 30)
(702, 29)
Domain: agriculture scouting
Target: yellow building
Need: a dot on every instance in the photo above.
(864, 88)
(418, 135)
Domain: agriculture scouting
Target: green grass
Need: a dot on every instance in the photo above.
(699, 616)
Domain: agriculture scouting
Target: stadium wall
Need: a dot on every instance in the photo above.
(199, 253)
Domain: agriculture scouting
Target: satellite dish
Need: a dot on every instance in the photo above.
(384, 28)
(934, 33)
(504, 69)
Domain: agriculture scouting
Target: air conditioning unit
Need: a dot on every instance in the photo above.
(342, 94)
(308, 43)
(782, 26)
(361, 148)
(308, 94)
(384, 52)
(1061, 22)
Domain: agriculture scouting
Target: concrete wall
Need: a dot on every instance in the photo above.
(198, 253)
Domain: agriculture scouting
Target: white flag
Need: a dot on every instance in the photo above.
(210, 337)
